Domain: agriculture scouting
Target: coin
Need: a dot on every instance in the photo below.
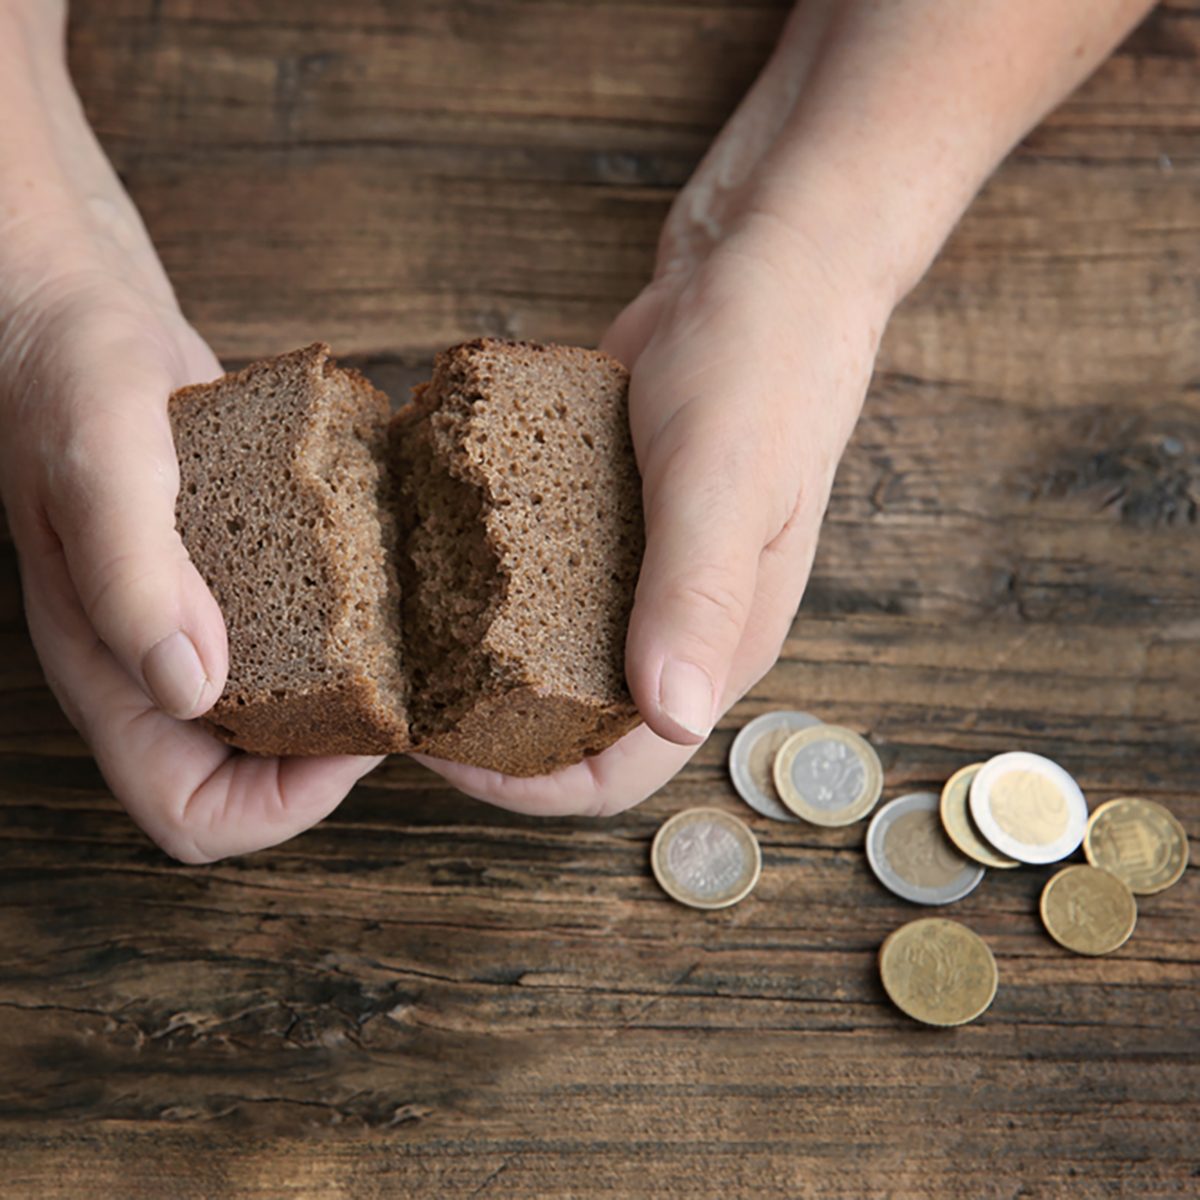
(959, 825)
(1138, 841)
(705, 858)
(938, 971)
(752, 754)
(1028, 807)
(911, 855)
(828, 775)
(1088, 910)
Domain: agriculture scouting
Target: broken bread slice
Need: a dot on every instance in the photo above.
(520, 524)
(457, 582)
(285, 510)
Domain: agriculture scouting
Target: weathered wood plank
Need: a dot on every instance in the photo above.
(425, 996)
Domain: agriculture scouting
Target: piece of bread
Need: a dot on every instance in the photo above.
(520, 508)
(457, 582)
(283, 508)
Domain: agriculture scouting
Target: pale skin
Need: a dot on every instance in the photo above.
(819, 206)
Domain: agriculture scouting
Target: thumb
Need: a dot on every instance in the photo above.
(111, 501)
(705, 527)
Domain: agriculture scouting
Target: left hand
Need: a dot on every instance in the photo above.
(750, 357)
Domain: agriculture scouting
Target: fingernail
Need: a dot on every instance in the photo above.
(686, 695)
(174, 674)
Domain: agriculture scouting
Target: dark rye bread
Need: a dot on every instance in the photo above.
(520, 510)
(506, 499)
(283, 508)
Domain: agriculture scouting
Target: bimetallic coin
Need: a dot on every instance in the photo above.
(960, 826)
(753, 753)
(1138, 841)
(705, 858)
(938, 971)
(911, 855)
(828, 775)
(1088, 910)
(1028, 807)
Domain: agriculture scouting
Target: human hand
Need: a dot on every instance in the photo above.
(92, 344)
(820, 204)
(749, 358)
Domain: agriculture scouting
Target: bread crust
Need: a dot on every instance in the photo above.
(496, 731)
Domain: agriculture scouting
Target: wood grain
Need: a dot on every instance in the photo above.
(428, 997)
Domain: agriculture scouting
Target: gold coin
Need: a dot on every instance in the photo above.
(1138, 841)
(938, 971)
(828, 775)
(1088, 910)
(706, 858)
(960, 825)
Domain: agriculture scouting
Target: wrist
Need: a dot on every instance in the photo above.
(878, 222)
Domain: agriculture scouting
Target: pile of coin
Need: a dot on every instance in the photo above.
(932, 848)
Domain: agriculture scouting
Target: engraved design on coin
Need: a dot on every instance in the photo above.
(706, 859)
(1138, 841)
(918, 851)
(1027, 805)
(935, 971)
(828, 775)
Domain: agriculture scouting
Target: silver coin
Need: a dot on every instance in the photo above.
(751, 757)
(828, 775)
(706, 858)
(911, 855)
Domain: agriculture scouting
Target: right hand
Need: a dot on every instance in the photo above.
(132, 641)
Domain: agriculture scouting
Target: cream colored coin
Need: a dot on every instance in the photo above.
(1028, 807)
(1138, 841)
(959, 824)
(706, 858)
(752, 756)
(828, 775)
(1088, 910)
(911, 855)
(938, 971)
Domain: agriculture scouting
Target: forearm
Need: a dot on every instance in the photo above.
(62, 208)
(876, 121)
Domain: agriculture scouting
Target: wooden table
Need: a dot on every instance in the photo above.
(428, 997)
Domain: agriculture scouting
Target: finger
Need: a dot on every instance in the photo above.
(706, 523)
(111, 502)
(195, 797)
(626, 773)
